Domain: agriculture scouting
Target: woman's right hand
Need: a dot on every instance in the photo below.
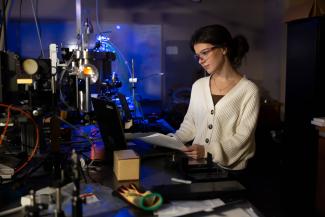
(194, 151)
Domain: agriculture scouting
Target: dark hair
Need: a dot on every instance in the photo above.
(219, 36)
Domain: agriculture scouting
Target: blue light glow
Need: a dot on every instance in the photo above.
(104, 44)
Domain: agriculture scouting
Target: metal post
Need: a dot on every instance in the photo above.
(78, 20)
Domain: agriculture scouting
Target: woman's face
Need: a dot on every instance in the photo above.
(211, 58)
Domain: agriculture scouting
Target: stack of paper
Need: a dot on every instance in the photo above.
(163, 140)
(203, 208)
(319, 121)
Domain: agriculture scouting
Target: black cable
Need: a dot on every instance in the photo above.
(90, 177)
(22, 178)
(71, 142)
(4, 25)
(18, 35)
(83, 175)
(76, 128)
(84, 155)
(35, 168)
(37, 17)
(7, 147)
(37, 28)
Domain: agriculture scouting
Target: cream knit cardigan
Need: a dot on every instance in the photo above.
(227, 130)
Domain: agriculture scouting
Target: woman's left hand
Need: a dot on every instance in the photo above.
(194, 151)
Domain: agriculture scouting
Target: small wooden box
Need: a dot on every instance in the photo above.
(126, 165)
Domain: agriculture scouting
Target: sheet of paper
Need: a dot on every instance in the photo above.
(130, 136)
(236, 212)
(179, 208)
(163, 140)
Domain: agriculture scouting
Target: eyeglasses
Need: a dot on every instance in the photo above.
(204, 53)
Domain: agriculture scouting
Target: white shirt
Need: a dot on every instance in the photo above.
(227, 129)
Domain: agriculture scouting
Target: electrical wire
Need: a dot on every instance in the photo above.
(121, 58)
(70, 108)
(76, 128)
(20, 10)
(130, 73)
(91, 141)
(97, 17)
(37, 28)
(23, 177)
(36, 131)
(18, 30)
(4, 28)
(60, 83)
(5, 12)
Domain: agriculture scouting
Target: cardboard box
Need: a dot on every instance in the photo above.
(126, 165)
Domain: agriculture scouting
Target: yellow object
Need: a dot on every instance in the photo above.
(126, 165)
(89, 70)
(24, 81)
(30, 66)
(144, 200)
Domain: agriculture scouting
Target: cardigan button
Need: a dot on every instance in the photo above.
(207, 140)
(210, 126)
(212, 111)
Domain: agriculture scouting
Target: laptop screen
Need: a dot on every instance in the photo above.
(110, 126)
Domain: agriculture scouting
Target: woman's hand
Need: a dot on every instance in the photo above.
(194, 151)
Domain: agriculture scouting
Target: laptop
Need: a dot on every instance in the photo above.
(110, 126)
(125, 106)
(112, 132)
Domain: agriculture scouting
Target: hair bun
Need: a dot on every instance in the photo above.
(239, 47)
(241, 44)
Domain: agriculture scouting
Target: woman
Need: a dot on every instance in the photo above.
(223, 110)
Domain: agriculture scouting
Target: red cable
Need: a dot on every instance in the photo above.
(37, 134)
